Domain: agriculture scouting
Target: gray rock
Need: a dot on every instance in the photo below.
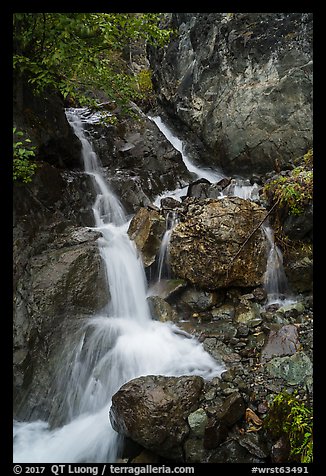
(295, 369)
(215, 434)
(140, 162)
(297, 227)
(168, 288)
(68, 281)
(198, 300)
(243, 83)
(226, 311)
(232, 452)
(299, 271)
(198, 421)
(232, 409)
(161, 310)
(254, 444)
(194, 451)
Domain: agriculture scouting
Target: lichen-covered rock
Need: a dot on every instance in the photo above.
(204, 245)
(295, 369)
(197, 421)
(153, 411)
(247, 313)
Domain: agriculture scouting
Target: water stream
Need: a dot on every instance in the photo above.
(163, 261)
(123, 342)
(110, 349)
(275, 280)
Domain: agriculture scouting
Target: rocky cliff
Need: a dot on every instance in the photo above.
(242, 83)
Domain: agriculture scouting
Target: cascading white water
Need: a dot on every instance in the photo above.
(171, 221)
(237, 188)
(242, 189)
(275, 280)
(108, 350)
(199, 172)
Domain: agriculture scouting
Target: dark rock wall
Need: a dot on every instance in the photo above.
(242, 83)
(41, 117)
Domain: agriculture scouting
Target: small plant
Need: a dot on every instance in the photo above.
(293, 419)
(295, 191)
(144, 80)
(23, 167)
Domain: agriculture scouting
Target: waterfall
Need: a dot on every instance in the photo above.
(237, 188)
(171, 221)
(199, 172)
(120, 344)
(275, 280)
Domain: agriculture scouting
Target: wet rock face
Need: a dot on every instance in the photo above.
(153, 411)
(58, 276)
(285, 341)
(140, 162)
(242, 82)
(203, 246)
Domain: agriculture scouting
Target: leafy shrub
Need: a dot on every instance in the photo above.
(23, 151)
(293, 419)
(75, 53)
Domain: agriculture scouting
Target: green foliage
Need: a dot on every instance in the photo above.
(75, 53)
(291, 418)
(23, 167)
(144, 79)
(295, 191)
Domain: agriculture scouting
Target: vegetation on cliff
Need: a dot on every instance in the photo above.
(293, 192)
(292, 419)
(23, 166)
(75, 53)
(80, 56)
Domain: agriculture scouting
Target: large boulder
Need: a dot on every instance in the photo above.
(180, 418)
(242, 82)
(153, 411)
(205, 248)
